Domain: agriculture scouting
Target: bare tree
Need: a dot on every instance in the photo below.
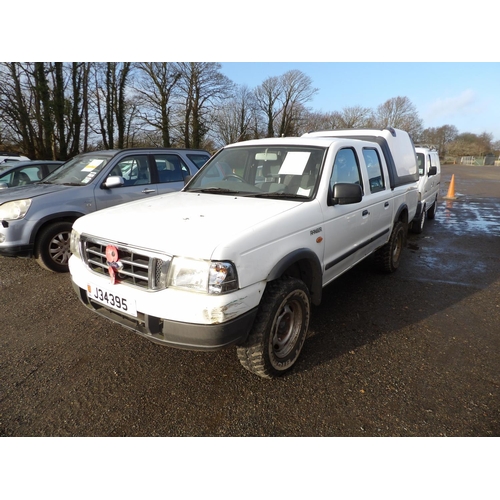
(267, 95)
(233, 121)
(282, 101)
(16, 106)
(468, 144)
(296, 92)
(399, 112)
(356, 117)
(42, 103)
(202, 87)
(156, 88)
(111, 83)
(439, 137)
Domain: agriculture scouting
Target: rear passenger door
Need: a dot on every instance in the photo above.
(379, 199)
(171, 170)
(138, 177)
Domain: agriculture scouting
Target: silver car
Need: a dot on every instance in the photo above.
(36, 220)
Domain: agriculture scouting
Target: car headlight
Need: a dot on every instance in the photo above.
(203, 276)
(14, 210)
(74, 243)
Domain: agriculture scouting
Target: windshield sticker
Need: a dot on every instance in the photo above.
(295, 163)
(93, 164)
(303, 192)
(89, 177)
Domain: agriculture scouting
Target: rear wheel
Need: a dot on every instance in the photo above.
(389, 256)
(279, 330)
(52, 247)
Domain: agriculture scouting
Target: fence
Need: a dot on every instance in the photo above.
(479, 160)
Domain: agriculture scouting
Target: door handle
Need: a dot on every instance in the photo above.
(386, 204)
(147, 191)
(365, 212)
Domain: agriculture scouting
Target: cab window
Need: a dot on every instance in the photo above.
(134, 170)
(374, 169)
(345, 168)
(170, 168)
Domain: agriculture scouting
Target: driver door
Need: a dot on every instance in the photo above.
(137, 176)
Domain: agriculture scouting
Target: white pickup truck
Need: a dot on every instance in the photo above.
(240, 254)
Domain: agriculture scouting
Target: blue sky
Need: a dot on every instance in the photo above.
(466, 95)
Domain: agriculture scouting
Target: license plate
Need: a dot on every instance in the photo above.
(112, 300)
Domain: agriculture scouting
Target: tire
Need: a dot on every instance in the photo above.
(417, 225)
(52, 247)
(389, 256)
(285, 309)
(431, 213)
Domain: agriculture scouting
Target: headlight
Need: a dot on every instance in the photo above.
(14, 210)
(203, 276)
(74, 243)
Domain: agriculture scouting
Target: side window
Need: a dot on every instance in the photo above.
(34, 173)
(375, 175)
(171, 168)
(134, 170)
(198, 159)
(420, 163)
(345, 168)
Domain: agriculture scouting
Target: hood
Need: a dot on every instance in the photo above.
(31, 191)
(182, 223)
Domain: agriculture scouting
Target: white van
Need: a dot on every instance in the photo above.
(429, 169)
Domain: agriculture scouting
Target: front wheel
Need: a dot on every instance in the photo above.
(279, 330)
(389, 256)
(52, 247)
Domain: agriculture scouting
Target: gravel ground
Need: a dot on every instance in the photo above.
(415, 353)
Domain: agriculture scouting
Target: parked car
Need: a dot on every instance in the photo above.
(9, 157)
(429, 169)
(36, 220)
(22, 173)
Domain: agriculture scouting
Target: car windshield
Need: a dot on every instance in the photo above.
(287, 172)
(78, 171)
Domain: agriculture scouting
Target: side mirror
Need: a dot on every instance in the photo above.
(113, 181)
(3, 185)
(346, 194)
(433, 171)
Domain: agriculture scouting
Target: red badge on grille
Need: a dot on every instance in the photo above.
(112, 262)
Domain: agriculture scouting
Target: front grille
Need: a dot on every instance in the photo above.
(140, 267)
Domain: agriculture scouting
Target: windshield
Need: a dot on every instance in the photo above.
(78, 171)
(274, 172)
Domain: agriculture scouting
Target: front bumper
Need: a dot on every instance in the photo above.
(191, 336)
(16, 238)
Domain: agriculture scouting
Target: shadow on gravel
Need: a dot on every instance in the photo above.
(454, 258)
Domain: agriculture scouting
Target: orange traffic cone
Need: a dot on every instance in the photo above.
(451, 189)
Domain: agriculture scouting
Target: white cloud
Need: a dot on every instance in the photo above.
(464, 104)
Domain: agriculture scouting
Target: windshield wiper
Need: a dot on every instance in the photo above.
(278, 195)
(213, 190)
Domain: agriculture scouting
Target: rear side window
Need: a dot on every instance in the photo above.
(170, 168)
(199, 159)
(374, 169)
